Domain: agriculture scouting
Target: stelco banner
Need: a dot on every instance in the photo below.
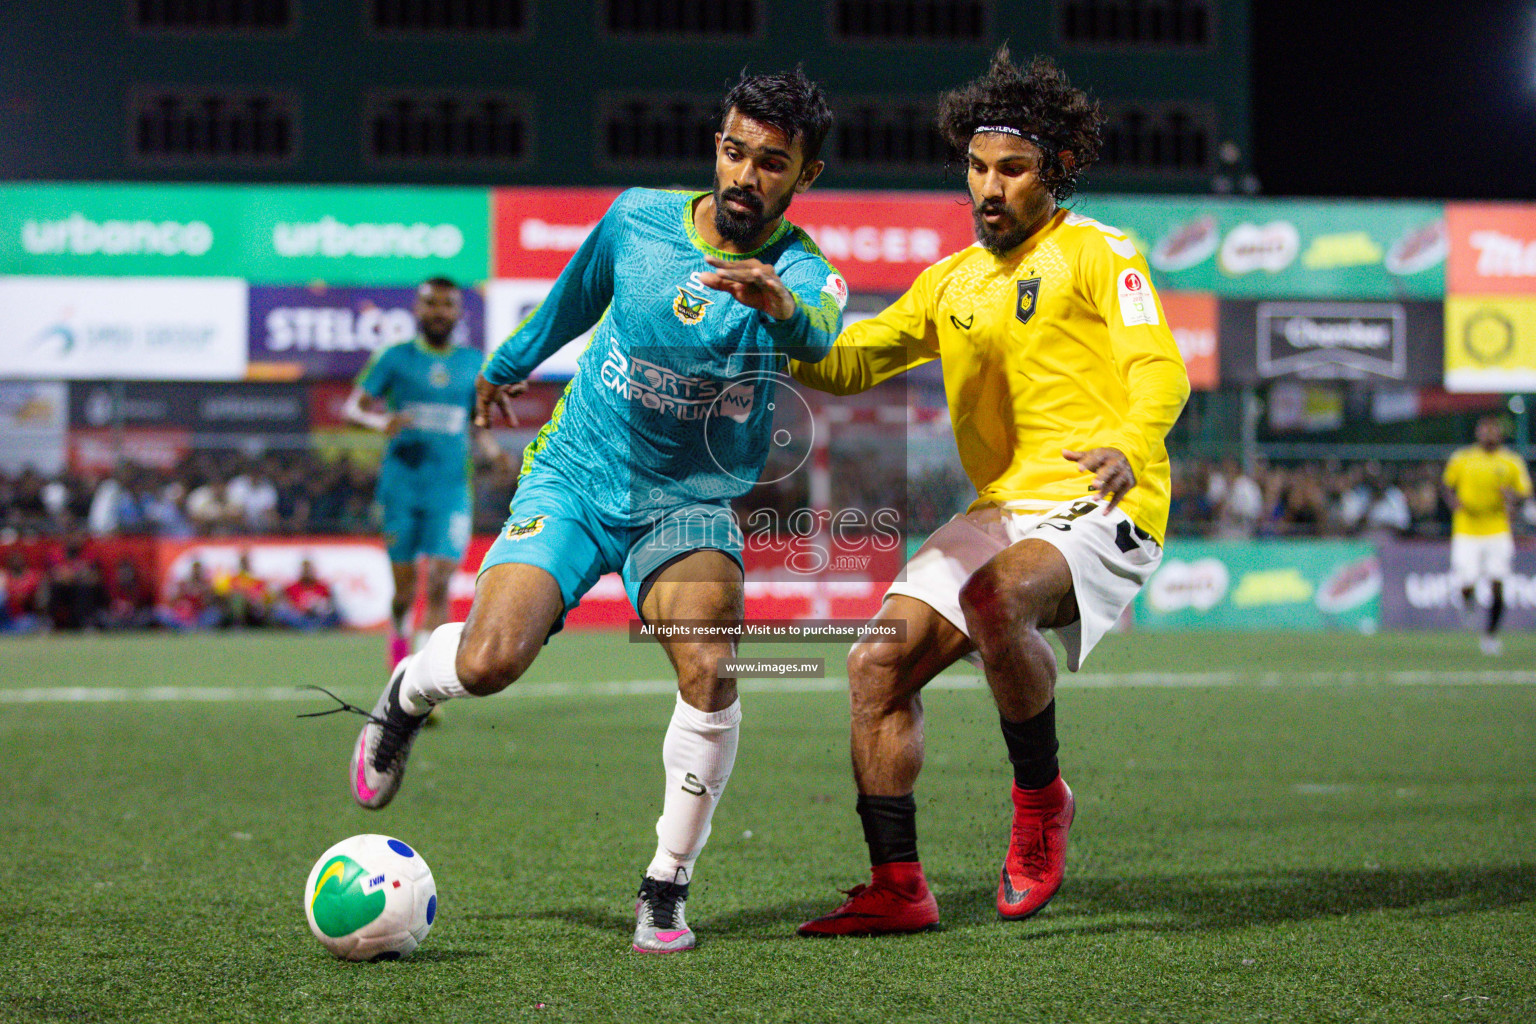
(282, 234)
(92, 328)
(1259, 248)
(1419, 592)
(1272, 584)
(1397, 342)
(329, 333)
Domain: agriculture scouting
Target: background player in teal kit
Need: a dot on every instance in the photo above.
(422, 394)
(697, 297)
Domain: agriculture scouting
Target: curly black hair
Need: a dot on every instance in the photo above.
(1038, 100)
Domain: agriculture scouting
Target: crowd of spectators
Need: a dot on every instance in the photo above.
(1308, 499)
(71, 588)
(300, 493)
(291, 492)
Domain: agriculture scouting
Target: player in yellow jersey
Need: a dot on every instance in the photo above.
(1481, 483)
(1062, 380)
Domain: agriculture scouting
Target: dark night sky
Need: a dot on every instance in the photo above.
(1405, 100)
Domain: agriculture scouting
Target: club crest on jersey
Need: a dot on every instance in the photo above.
(523, 529)
(1029, 298)
(689, 306)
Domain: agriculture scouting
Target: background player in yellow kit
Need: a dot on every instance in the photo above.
(1482, 482)
(1062, 380)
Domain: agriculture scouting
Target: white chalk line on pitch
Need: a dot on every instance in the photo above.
(649, 687)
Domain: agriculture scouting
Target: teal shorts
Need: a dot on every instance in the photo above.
(553, 527)
(435, 524)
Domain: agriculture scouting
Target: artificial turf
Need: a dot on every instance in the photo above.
(1278, 827)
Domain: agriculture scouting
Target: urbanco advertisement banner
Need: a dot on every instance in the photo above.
(93, 328)
(115, 230)
(1247, 248)
(278, 234)
(1396, 342)
(1270, 584)
(330, 333)
(1493, 249)
(1419, 592)
(366, 235)
(1490, 343)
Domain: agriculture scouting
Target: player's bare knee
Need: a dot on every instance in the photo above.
(487, 667)
(699, 679)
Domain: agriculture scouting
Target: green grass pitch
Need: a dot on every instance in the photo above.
(1270, 828)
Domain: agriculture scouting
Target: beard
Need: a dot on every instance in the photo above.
(742, 228)
(436, 333)
(1015, 227)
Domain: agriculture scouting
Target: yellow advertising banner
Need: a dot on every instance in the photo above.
(1490, 343)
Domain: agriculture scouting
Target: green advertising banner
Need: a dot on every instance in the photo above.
(1285, 248)
(1268, 584)
(291, 234)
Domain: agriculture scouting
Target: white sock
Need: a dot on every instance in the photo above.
(698, 754)
(430, 676)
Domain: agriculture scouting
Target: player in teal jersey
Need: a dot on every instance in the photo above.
(422, 394)
(696, 300)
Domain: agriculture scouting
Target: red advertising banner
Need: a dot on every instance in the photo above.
(1192, 318)
(1493, 249)
(880, 241)
(534, 231)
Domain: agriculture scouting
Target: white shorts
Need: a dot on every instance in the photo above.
(1110, 558)
(1475, 559)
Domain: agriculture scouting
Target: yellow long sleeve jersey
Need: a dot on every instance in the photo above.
(1060, 344)
(1480, 479)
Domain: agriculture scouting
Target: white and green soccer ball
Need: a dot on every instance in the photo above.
(370, 897)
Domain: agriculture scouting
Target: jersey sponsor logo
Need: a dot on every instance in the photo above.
(436, 417)
(1137, 305)
(438, 376)
(692, 302)
(522, 529)
(1029, 298)
(664, 390)
(838, 289)
(693, 785)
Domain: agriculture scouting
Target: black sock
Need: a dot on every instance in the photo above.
(1495, 610)
(1032, 748)
(890, 827)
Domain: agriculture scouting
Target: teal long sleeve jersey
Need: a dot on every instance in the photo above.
(672, 402)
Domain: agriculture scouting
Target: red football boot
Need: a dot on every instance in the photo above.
(1037, 849)
(897, 899)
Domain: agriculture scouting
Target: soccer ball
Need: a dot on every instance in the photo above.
(370, 897)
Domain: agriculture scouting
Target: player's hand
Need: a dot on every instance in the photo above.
(496, 398)
(751, 283)
(1111, 469)
(398, 421)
